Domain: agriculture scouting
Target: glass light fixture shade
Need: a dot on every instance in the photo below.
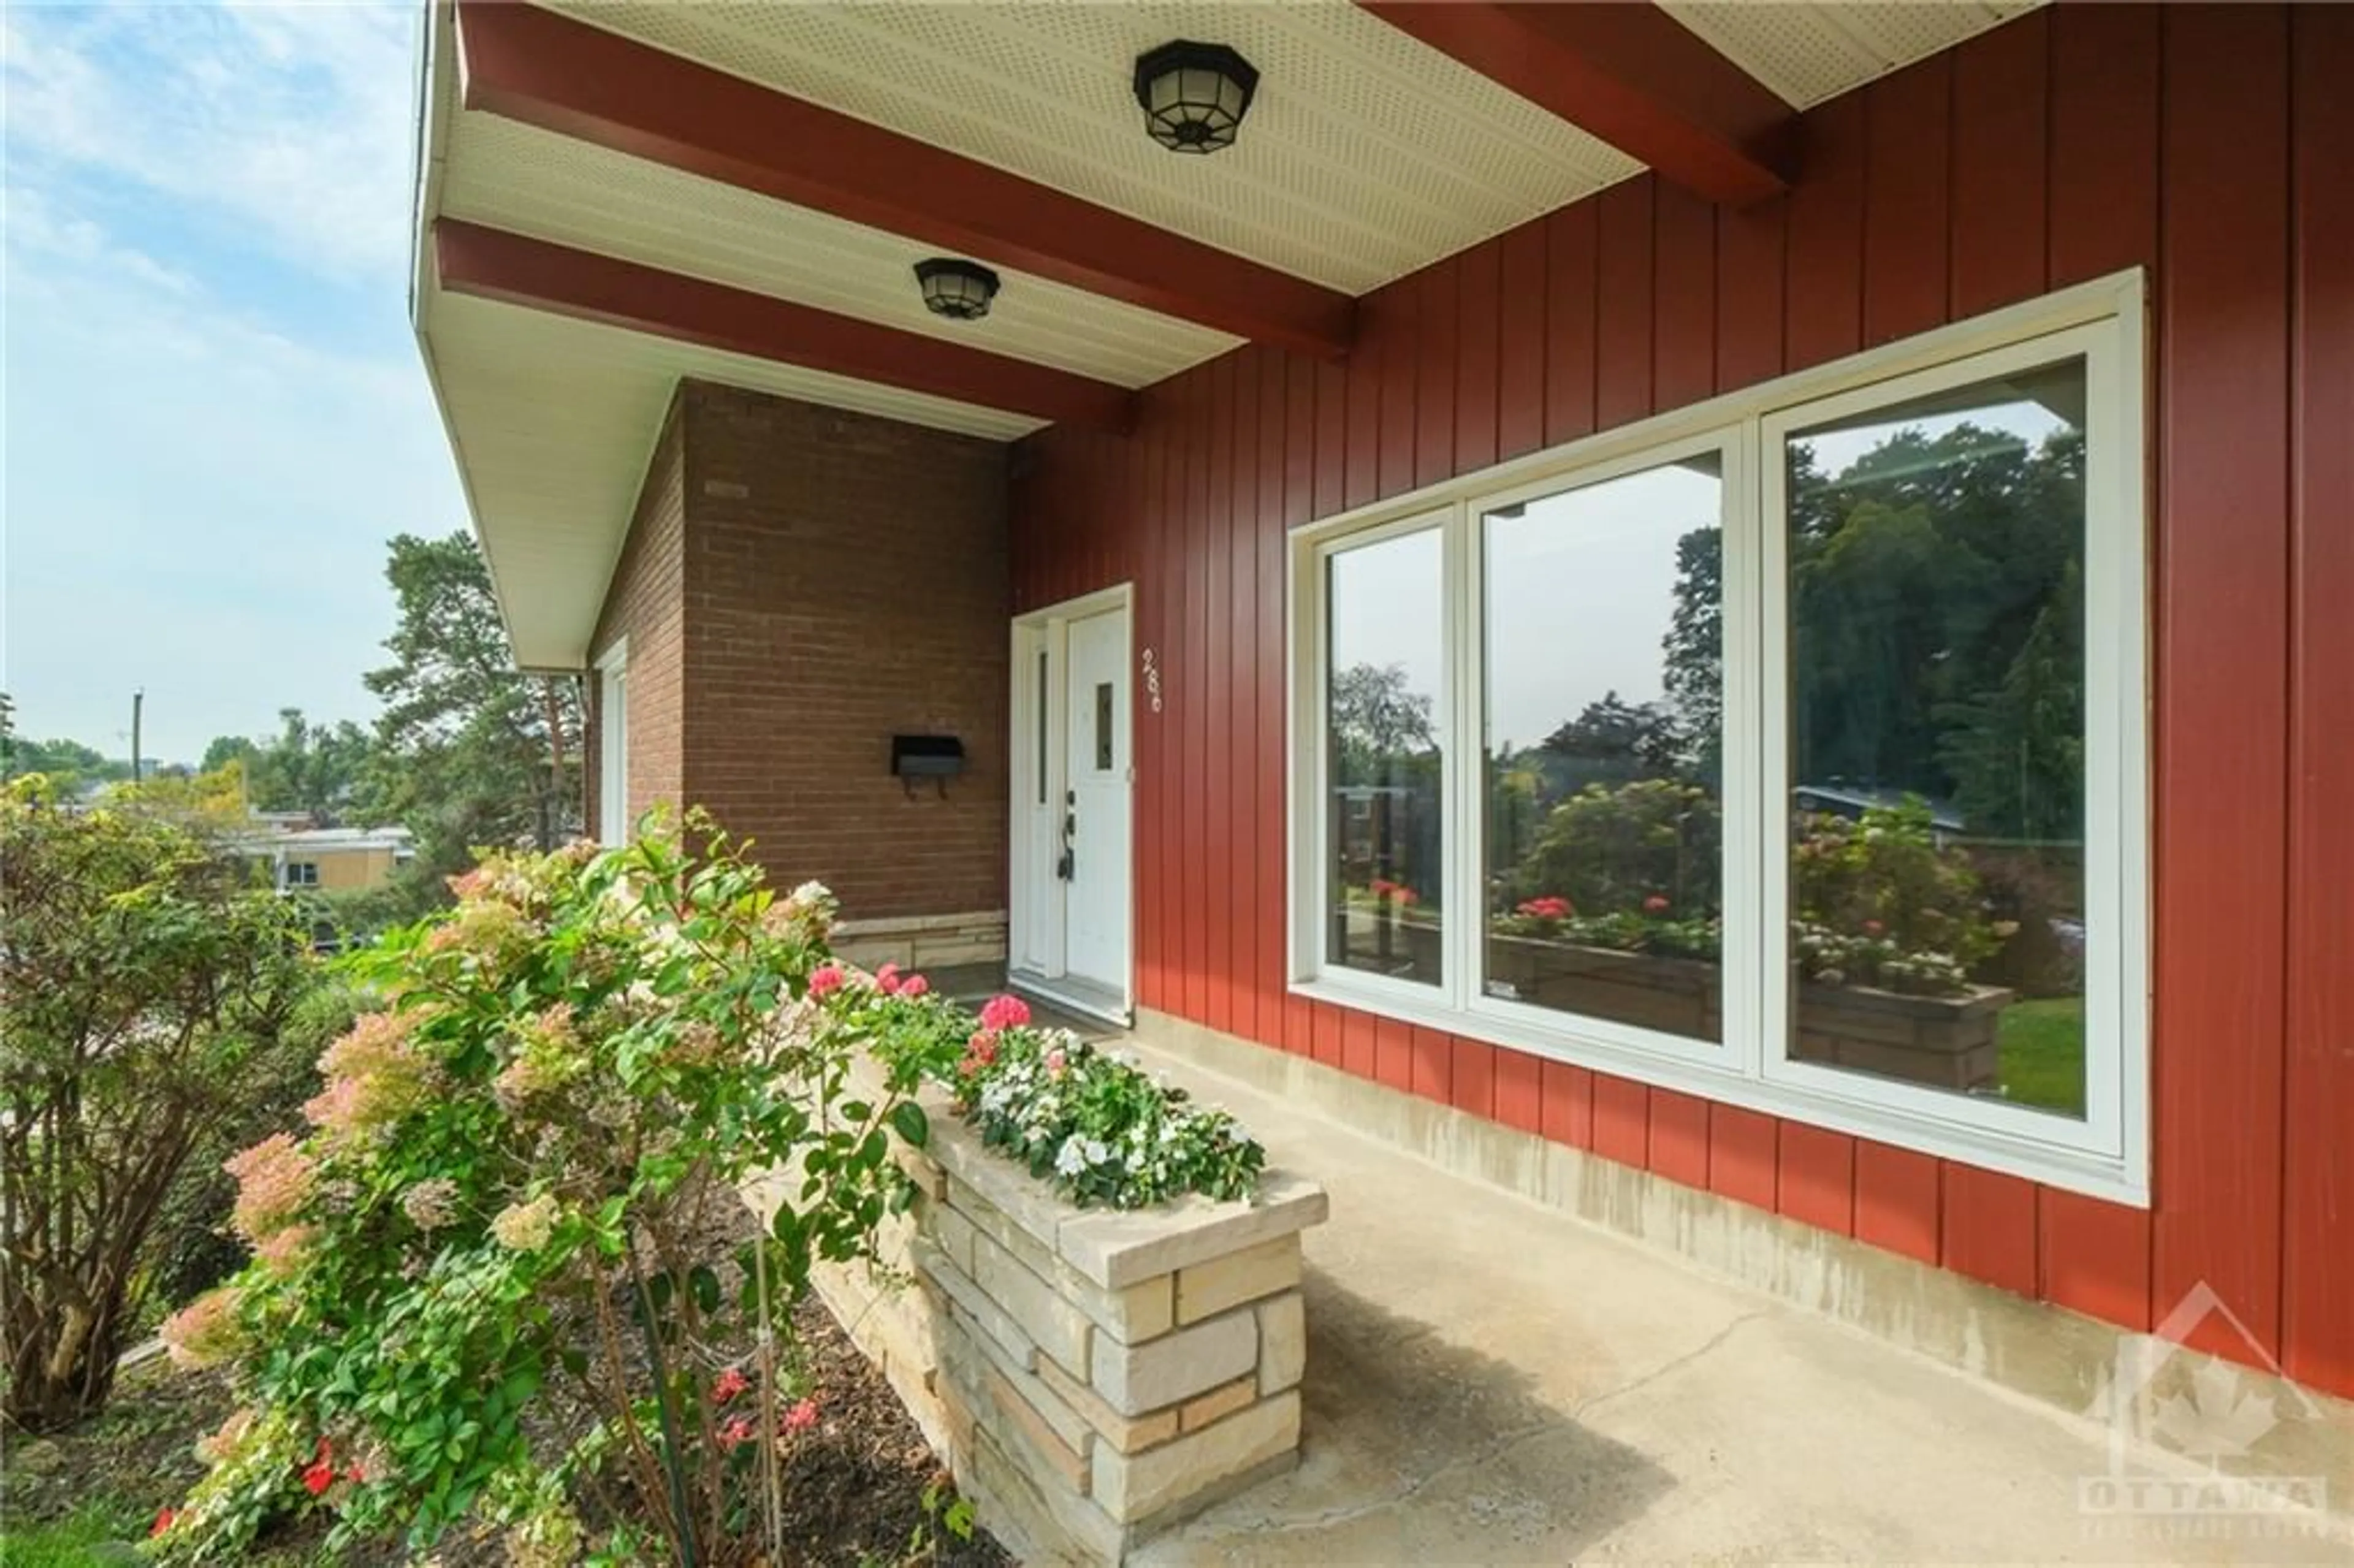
(1194, 95)
(957, 288)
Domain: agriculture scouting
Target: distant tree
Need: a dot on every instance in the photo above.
(1934, 609)
(210, 805)
(2017, 753)
(1378, 720)
(1694, 646)
(470, 750)
(1614, 739)
(67, 763)
(226, 749)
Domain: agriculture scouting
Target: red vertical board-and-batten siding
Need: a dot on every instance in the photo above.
(2209, 145)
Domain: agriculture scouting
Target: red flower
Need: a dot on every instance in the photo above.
(886, 980)
(801, 1417)
(1551, 906)
(1001, 1012)
(729, 1385)
(165, 1519)
(356, 1475)
(825, 979)
(320, 1474)
(914, 986)
(736, 1432)
(1657, 904)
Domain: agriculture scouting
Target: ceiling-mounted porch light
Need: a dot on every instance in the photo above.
(1194, 95)
(957, 288)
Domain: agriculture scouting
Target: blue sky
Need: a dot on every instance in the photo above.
(214, 411)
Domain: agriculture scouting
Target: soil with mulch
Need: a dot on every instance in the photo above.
(854, 1486)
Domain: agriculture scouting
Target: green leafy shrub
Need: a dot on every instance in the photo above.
(143, 980)
(1613, 850)
(510, 1185)
(195, 1248)
(1881, 902)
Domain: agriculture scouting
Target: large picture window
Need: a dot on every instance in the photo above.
(1789, 750)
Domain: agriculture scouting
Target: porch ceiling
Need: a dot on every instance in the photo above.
(1367, 154)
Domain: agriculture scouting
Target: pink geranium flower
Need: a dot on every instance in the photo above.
(914, 986)
(736, 1432)
(825, 979)
(801, 1417)
(1002, 1013)
(1657, 904)
(886, 980)
(729, 1385)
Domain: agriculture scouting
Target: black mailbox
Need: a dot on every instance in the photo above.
(938, 757)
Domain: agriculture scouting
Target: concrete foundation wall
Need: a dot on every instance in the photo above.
(2045, 1352)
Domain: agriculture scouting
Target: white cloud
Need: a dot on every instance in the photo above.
(214, 412)
(294, 120)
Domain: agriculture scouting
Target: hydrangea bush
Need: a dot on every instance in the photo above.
(514, 1183)
(510, 1183)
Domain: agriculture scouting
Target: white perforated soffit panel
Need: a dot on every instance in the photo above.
(1365, 155)
(554, 420)
(510, 175)
(1807, 54)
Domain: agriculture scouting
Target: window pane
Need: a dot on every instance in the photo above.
(1383, 719)
(1936, 604)
(1604, 745)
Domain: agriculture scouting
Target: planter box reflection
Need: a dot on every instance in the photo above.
(1949, 1042)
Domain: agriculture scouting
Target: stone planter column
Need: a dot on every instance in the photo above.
(1092, 1376)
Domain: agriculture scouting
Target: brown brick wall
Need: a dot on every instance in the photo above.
(846, 580)
(645, 604)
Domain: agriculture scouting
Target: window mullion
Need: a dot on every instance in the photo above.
(1465, 767)
(1748, 816)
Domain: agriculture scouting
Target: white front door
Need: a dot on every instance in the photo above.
(1096, 840)
(1073, 840)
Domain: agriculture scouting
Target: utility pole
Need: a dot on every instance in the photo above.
(138, 701)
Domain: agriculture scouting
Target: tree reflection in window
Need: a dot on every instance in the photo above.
(1603, 719)
(1936, 614)
(1386, 659)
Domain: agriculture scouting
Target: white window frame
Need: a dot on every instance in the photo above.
(1403, 993)
(2108, 1153)
(613, 667)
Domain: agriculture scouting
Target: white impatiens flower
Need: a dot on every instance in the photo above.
(1069, 1161)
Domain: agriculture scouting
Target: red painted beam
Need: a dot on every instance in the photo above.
(1629, 74)
(492, 264)
(531, 64)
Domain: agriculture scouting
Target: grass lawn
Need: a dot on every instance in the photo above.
(74, 1542)
(2043, 1046)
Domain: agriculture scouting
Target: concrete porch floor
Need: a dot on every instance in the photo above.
(1492, 1380)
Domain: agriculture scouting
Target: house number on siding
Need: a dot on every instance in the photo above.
(1152, 679)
